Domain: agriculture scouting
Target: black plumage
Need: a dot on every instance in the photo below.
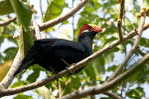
(56, 54)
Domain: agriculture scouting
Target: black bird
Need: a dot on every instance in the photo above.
(56, 54)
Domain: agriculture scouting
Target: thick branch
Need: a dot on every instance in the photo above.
(10, 75)
(62, 18)
(72, 68)
(106, 86)
(7, 80)
(7, 22)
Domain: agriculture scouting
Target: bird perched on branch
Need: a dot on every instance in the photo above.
(56, 55)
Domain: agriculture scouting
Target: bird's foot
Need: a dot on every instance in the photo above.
(71, 71)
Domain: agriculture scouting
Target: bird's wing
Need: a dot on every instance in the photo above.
(45, 42)
(64, 44)
(68, 51)
(59, 47)
(58, 43)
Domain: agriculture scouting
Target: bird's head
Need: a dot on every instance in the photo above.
(90, 30)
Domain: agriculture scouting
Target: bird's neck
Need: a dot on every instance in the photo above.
(86, 42)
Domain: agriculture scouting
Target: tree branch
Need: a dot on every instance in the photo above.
(114, 96)
(108, 85)
(71, 69)
(37, 32)
(64, 17)
(7, 22)
(10, 75)
(119, 24)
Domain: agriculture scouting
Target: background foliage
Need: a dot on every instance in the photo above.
(100, 12)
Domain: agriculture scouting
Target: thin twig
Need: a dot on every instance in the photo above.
(108, 85)
(113, 95)
(132, 50)
(119, 24)
(122, 9)
(7, 22)
(37, 30)
(73, 67)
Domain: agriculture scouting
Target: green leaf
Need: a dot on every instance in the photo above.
(90, 72)
(21, 96)
(24, 15)
(32, 78)
(112, 68)
(5, 7)
(92, 6)
(72, 83)
(98, 64)
(144, 42)
(54, 9)
(10, 53)
(23, 11)
(136, 93)
(35, 74)
(141, 76)
(18, 83)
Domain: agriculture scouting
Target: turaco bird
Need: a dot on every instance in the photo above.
(56, 54)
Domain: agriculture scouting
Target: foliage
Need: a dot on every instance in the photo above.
(5, 7)
(100, 12)
(23, 97)
(54, 9)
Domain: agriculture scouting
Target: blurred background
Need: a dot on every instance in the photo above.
(104, 13)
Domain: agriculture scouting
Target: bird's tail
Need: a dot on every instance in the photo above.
(26, 62)
(29, 59)
(24, 65)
